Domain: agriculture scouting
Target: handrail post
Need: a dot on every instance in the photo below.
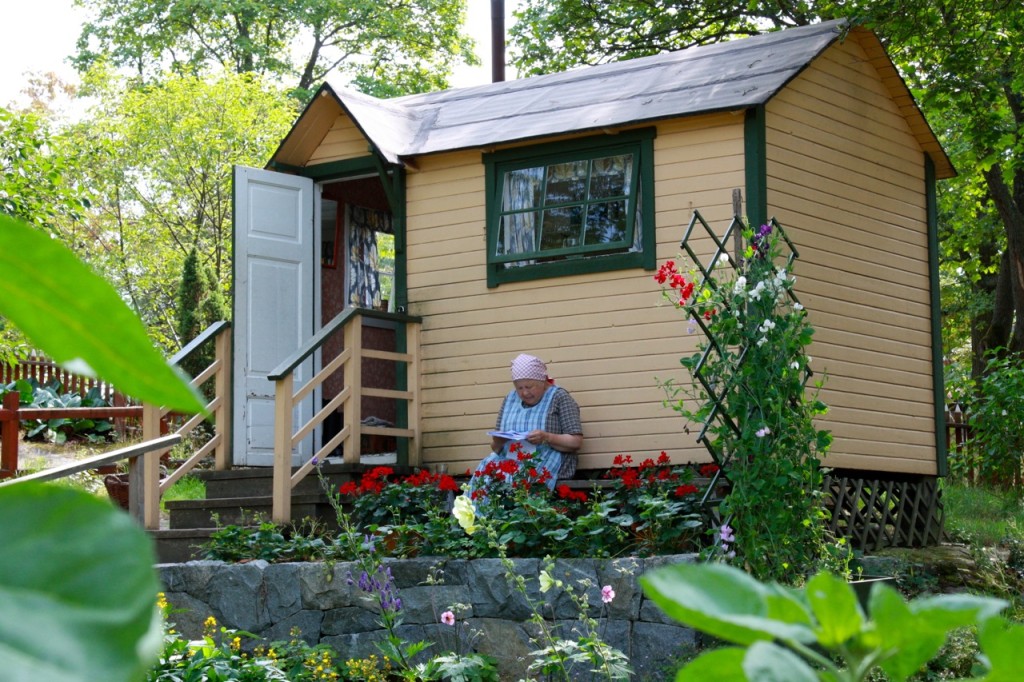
(412, 370)
(353, 407)
(282, 487)
(10, 429)
(144, 474)
(222, 390)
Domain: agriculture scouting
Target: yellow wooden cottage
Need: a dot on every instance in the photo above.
(529, 216)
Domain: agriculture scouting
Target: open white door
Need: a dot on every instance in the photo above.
(275, 255)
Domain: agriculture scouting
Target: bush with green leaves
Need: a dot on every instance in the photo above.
(60, 429)
(821, 632)
(996, 415)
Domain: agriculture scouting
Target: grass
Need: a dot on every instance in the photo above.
(982, 515)
(189, 487)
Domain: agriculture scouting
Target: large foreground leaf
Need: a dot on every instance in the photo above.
(77, 588)
(78, 318)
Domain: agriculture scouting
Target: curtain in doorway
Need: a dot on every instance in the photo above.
(363, 270)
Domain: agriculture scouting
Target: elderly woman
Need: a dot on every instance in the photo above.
(541, 416)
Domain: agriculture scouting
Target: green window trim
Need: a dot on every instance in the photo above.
(622, 253)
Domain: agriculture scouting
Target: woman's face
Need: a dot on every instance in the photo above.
(530, 391)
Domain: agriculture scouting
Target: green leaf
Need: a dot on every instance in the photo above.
(767, 662)
(910, 640)
(722, 601)
(1001, 642)
(80, 320)
(77, 586)
(722, 665)
(834, 604)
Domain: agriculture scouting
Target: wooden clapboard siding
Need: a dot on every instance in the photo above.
(343, 141)
(846, 178)
(608, 337)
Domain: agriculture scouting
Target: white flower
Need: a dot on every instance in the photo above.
(780, 277)
(756, 293)
(740, 285)
(766, 326)
(547, 582)
(465, 514)
(763, 340)
(795, 365)
(762, 432)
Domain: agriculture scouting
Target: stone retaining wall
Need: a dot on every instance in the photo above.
(321, 600)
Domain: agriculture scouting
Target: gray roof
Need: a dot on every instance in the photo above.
(721, 77)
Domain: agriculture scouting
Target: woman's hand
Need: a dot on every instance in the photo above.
(563, 442)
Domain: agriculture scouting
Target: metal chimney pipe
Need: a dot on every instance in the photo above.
(497, 41)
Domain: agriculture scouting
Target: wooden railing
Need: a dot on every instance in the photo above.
(349, 399)
(145, 486)
(218, 409)
(135, 455)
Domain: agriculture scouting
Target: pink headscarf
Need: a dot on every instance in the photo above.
(529, 367)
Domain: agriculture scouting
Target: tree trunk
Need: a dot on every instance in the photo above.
(1012, 216)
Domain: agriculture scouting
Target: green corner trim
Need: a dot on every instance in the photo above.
(938, 375)
(755, 164)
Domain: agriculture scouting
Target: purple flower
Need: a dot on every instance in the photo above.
(726, 534)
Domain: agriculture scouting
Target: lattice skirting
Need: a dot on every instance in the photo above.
(875, 510)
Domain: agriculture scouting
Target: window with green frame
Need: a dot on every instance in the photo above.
(571, 207)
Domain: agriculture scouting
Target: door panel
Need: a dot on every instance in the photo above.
(274, 297)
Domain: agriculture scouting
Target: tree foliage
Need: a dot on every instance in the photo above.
(385, 46)
(159, 160)
(555, 35)
(35, 183)
(200, 304)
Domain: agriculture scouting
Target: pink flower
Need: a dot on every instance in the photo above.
(448, 618)
(607, 594)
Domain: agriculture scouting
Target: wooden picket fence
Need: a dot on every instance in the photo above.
(44, 370)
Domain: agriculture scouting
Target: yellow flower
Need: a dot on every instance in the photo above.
(465, 514)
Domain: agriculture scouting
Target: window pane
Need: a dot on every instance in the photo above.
(610, 176)
(561, 227)
(606, 222)
(567, 182)
(523, 189)
(517, 233)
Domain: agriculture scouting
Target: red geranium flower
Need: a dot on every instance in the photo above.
(684, 490)
(708, 470)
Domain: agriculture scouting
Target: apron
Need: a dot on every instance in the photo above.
(517, 417)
